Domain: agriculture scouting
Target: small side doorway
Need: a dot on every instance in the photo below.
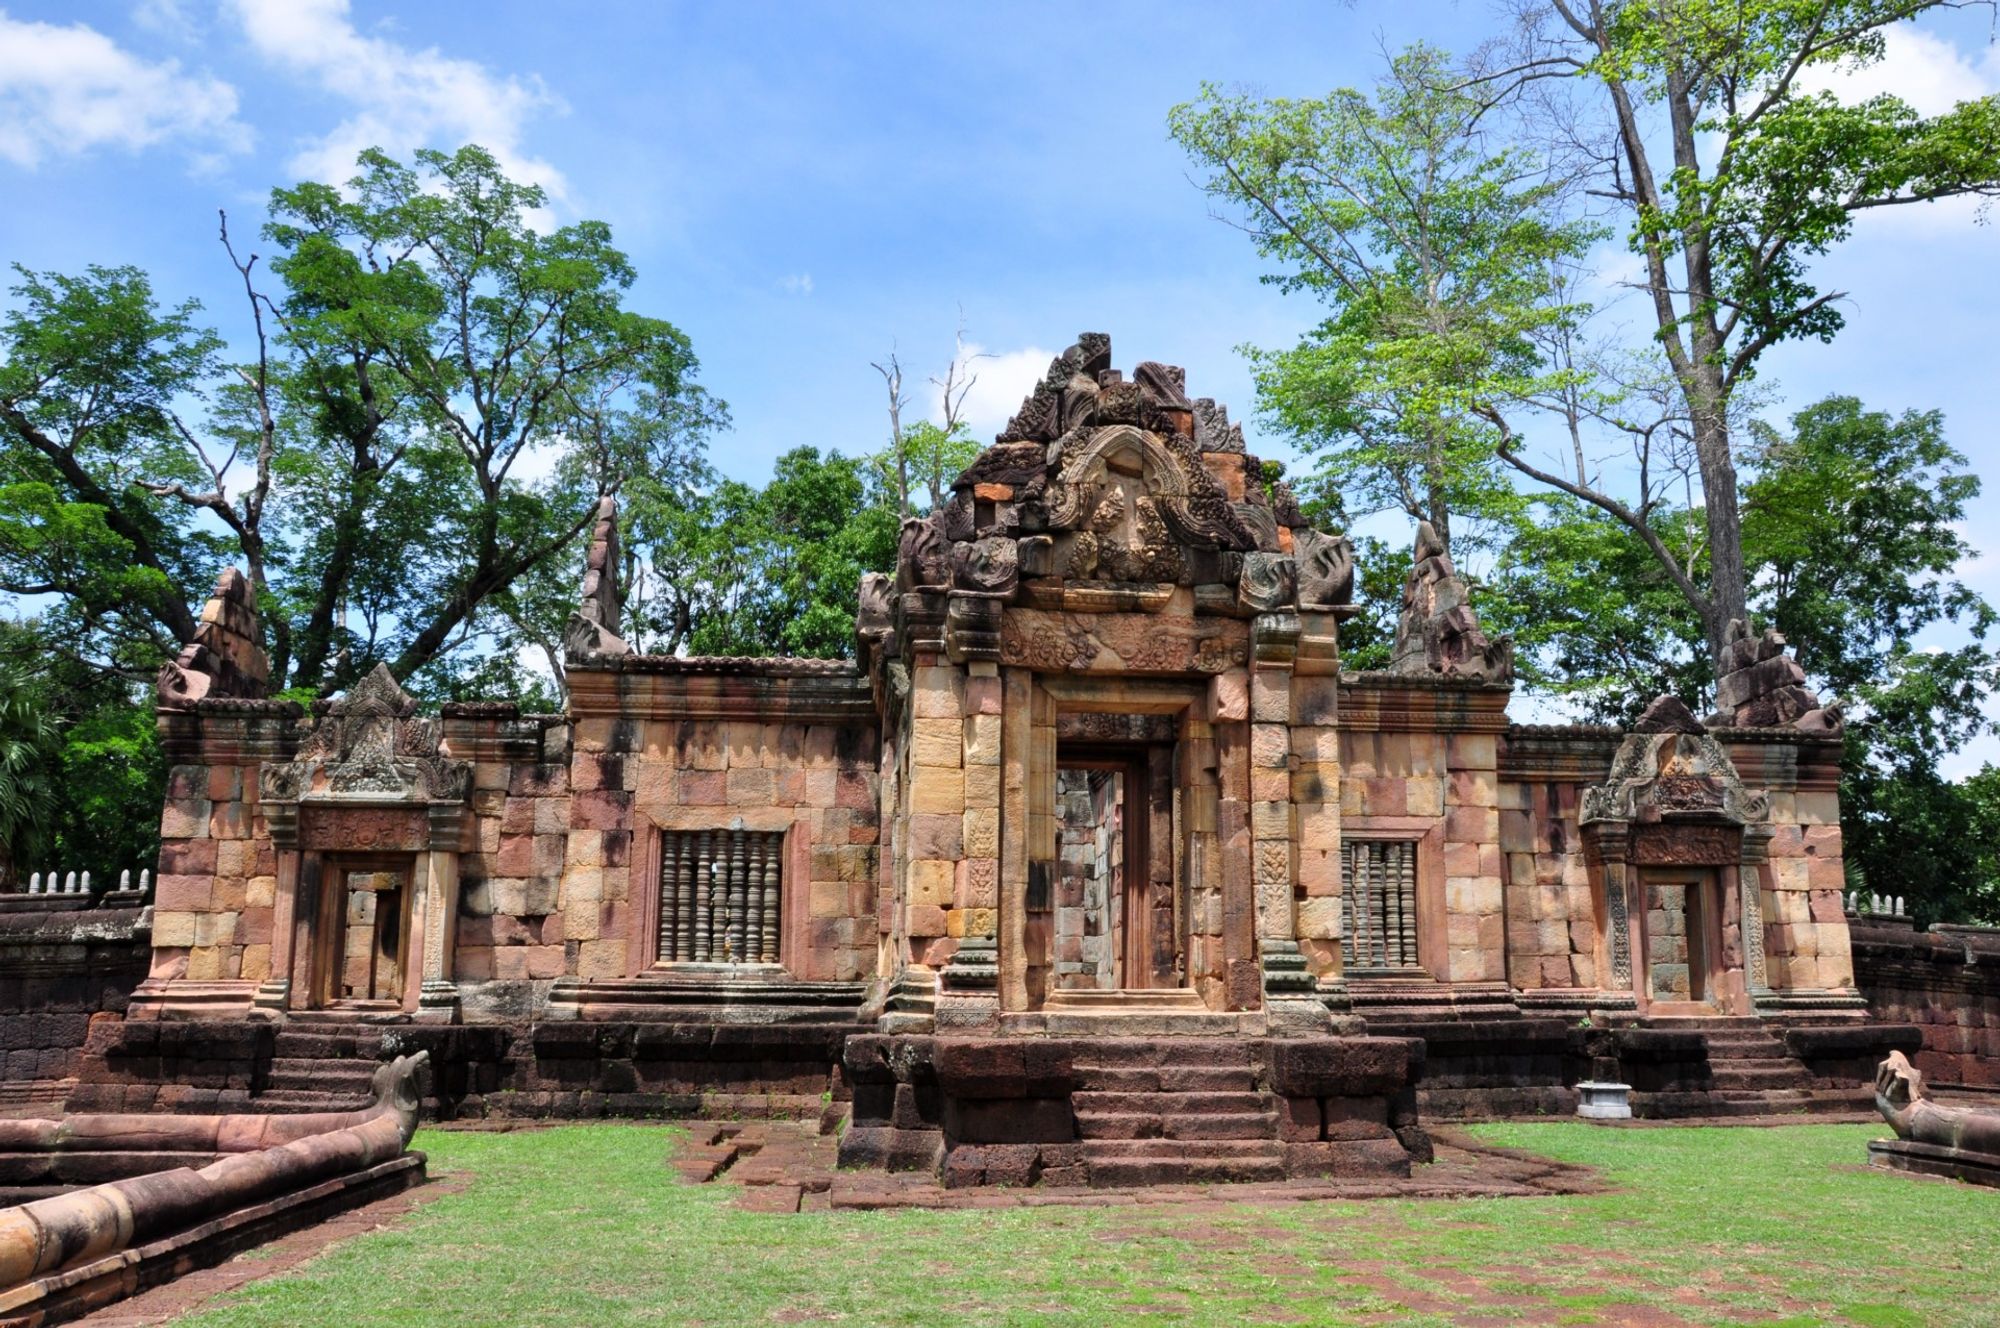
(363, 954)
(1682, 940)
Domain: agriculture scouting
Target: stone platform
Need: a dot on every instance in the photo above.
(1117, 1112)
(1934, 1160)
(790, 1167)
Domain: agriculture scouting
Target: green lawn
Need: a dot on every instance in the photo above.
(585, 1225)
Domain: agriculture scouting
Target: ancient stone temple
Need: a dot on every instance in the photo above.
(1093, 861)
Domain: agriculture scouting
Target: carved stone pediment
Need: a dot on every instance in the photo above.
(372, 746)
(1674, 776)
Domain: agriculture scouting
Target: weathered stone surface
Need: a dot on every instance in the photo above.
(1438, 632)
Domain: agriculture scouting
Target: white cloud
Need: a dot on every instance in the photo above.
(403, 98)
(1001, 381)
(1929, 72)
(1932, 74)
(167, 18)
(65, 90)
(800, 283)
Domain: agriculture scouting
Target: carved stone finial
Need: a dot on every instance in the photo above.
(1439, 632)
(1763, 687)
(226, 656)
(922, 560)
(593, 628)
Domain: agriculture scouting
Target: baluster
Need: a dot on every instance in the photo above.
(145, 880)
(69, 884)
(739, 873)
(1379, 873)
(35, 883)
(753, 902)
(704, 887)
(670, 852)
(1350, 889)
(1409, 861)
(774, 846)
(684, 878)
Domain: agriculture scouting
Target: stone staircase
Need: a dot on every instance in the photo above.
(321, 1067)
(1175, 1111)
(1750, 1072)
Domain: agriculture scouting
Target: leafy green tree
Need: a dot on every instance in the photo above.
(439, 392)
(1595, 619)
(826, 533)
(1695, 120)
(498, 339)
(28, 743)
(931, 458)
(93, 374)
(1437, 251)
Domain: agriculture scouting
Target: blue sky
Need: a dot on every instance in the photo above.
(803, 187)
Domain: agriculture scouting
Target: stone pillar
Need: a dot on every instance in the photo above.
(275, 992)
(1242, 973)
(1611, 841)
(1316, 777)
(1016, 739)
(1289, 989)
(437, 915)
(1750, 893)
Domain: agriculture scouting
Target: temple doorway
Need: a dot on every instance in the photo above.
(1110, 922)
(365, 930)
(1681, 938)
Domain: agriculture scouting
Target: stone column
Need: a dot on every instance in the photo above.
(1016, 738)
(1290, 991)
(1611, 841)
(275, 992)
(437, 928)
(1750, 895)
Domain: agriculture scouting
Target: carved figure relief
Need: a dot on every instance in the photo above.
(1063, 642)
(1438, 631)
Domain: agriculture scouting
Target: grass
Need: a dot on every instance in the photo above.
(585, 1225)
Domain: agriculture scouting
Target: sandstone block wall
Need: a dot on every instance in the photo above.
(512, 931)
(1421, 763)
(1805, 925)
(60, 970)
(771, 746)
(217, 879)
(1946, 981)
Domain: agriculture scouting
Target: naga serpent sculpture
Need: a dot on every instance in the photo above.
(1900, 1097)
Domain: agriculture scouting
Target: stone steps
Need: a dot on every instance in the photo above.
(1167, 1078)
(1176, 1125)
(1155, 1053)
(1758, 1075)
(285, 1101)
(1122, 1163)
(1103, 1103)
(1180, 1112)
(306, 1072)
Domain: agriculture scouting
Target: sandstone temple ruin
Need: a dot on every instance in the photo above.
(1093, 862)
